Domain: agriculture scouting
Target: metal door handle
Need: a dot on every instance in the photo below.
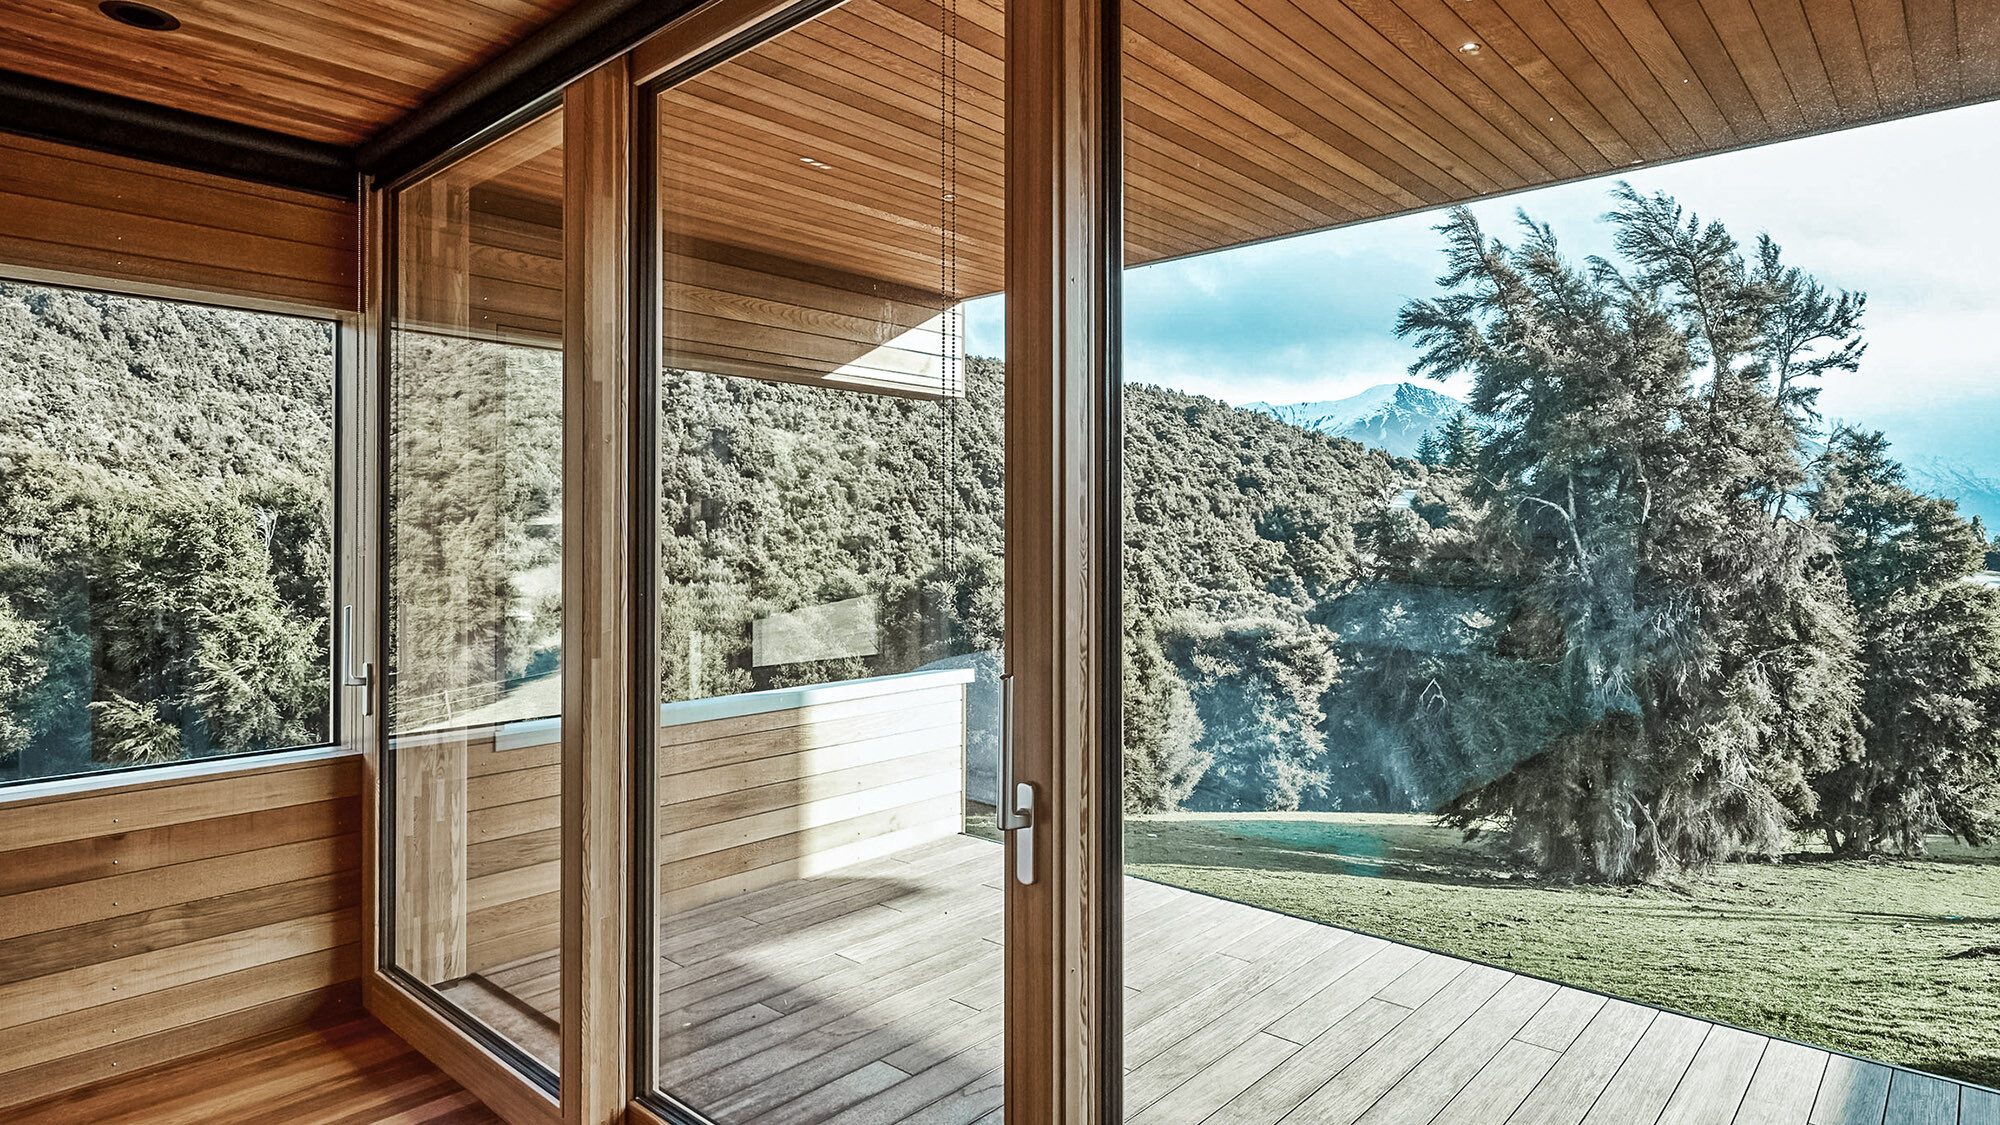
(348, 676)
(1015, 800)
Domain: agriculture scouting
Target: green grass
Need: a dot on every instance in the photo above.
(1853, 955)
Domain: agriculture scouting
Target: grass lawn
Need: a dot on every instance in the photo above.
(1853, 955)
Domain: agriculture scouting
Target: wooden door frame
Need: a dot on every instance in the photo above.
(1064, 259)
(602, 501)
(364, 441)
(1063, 612)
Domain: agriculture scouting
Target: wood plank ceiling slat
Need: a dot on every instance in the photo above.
(1245, 119)
(1252, 119)
(327, 71)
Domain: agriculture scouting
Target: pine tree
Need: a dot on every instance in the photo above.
(1632, 450)
(1930, 757)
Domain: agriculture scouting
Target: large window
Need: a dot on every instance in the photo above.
(474, 691)
(830, 588)
(1584, 594)
(166, 485)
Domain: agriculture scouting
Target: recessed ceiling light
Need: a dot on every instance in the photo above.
(1470, 48)
(145, 17)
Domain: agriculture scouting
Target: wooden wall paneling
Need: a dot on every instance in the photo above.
(1062, 253)
(431, 839)
(757, 799)
(145, 921)
(74, 212)
(600, 506)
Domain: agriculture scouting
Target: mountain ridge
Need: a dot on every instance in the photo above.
(1392, 417)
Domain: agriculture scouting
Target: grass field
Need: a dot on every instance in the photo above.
(1892, 959)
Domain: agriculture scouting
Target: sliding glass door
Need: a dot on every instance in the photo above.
(828, 460)
(474, 691)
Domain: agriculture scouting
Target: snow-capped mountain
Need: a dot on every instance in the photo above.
(1977, 495)
(1392, 417)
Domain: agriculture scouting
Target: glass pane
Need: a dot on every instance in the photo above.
(830, 578)
(1550, 598)
(166, 500)
(475, 584)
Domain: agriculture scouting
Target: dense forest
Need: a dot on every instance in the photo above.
(165, 495)
(1638, 609)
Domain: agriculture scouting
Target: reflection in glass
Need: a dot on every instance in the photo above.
(829, 582)
(475, 580)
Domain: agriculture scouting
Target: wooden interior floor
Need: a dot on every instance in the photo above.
(351, 1072)
(872, 996)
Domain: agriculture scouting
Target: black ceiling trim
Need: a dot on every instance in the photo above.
(581, 39)
(74, 115)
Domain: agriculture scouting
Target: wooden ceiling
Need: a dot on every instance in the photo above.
(825, 194)
(1246, 119)
(323, 70)
(1252, 119)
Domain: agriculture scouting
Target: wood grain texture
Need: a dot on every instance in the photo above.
(872, 994)
(73, 211)
(331, 1069)
(167, 916)
(599, 625)
(1253, 119)
(745, 802)
(329, 72)
(1061, 254)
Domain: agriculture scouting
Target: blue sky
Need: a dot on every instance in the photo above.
(1908, 211)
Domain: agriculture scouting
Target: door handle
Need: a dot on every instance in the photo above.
(1014, 799)
(348, 676)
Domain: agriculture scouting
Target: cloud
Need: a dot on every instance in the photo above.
(1901, 210)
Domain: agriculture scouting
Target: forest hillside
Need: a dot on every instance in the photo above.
(1636, 606)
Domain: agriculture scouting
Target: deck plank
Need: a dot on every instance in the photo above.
(1500, 1086)
(1978, 1107)
(1291, 1082)
(1785, 1085)
(1211, 1087)
(1851, 1092)
(1571, 1087)
(1435, 1081)
(1562, 1019)
(1919, 1099)
(873, 994)
(1359, 1085)
(1717, 1079)
(1639, 1091)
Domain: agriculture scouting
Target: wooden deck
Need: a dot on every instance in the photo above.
(872, 996)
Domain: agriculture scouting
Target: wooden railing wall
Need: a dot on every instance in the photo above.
(764, 788)
(754, 790)
(145, 922)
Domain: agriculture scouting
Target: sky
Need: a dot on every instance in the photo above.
(1907, 211)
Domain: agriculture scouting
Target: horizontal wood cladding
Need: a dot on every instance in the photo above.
(726, 309)
(745, 801)
(146, 922)
(73, 212)
(753, 800)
